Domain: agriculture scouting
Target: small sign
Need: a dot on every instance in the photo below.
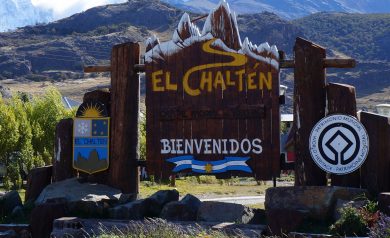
(91, 144)
(339, 144)
(91, 130)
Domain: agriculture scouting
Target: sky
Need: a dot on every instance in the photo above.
(65, 8)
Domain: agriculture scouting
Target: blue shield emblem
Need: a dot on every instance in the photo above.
(91, 144)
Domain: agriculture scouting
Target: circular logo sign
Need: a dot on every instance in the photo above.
(339, 144)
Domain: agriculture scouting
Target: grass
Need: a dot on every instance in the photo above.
(207, 186)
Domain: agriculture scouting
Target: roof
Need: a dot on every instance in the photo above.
(287, 117)
(70, 103)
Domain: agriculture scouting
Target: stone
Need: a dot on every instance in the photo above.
(136, 210)
(317, 201)
(346, 203)
(73, 191)
(184, 210)
(158, 200)
(37, 180)
(8, 234)
(211, 211)
(384, 203)
(42, 217)
(282, 221)
(9, 201)
(149, 207)
(17, 212)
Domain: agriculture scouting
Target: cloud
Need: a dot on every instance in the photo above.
(65, 8)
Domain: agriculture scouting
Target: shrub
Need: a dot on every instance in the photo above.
(351, 223)
(382, 228)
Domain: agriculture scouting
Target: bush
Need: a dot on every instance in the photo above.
(351, 223)
(382, 228)
(27, 130)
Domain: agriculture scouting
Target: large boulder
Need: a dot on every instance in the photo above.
(211, 211)
(74, 191)
(9, 201)
(183, 210)
(87, 199)
(159, 199)
(136, 210)
(37, 180)
(282, 221)
(149, 207)
(317, 202)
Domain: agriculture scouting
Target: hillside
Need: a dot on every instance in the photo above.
(286, 8)
(364, 36)
(59, 50)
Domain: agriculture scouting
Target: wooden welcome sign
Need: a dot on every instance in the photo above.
(212, 102)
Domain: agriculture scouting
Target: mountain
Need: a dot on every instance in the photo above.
(59, 50)
(289, 9)
(19, 13)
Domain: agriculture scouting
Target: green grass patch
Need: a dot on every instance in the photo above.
(207, 186)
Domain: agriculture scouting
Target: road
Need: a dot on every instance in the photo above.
(248, 200)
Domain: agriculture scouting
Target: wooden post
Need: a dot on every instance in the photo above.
(342, 100)
(309, 108)
(62, 161)
(375, 174)
(123, 172)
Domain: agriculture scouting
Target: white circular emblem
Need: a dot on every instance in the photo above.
(339, 144)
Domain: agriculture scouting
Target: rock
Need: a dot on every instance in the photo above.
(8, 234)
(317, 201)
(73, 191)
(282, 221)
(158, 200)
(136, 210)
(17, 212)
(384, 203)
(9, 201)
(5, 92)
(149, 207)
(184, 210)
(42, 217)
(37, 180)
(345, 203)
(211, 211)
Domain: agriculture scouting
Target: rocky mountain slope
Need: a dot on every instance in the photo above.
(286, 8)
(59, 50)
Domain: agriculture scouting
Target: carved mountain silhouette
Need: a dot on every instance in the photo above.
(92, 163)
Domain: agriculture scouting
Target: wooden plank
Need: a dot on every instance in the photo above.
(97, 69)
(125, 92)
(342, 100)
(340, 63)
(309, 108)
(375, 174)
(62, 161)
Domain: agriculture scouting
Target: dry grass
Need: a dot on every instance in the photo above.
(208, 186)
(72, 88)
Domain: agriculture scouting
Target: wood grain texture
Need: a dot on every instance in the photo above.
(309, 108)
(123, 171)
(342, 100)
(375, 174)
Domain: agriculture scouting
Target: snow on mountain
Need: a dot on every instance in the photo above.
(18, 13)
(289, 9)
